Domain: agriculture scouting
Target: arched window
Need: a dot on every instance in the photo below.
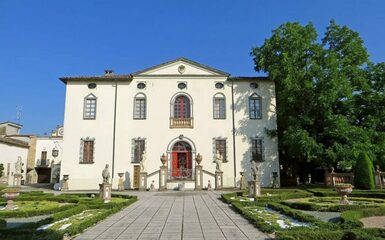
(140, 107)
(255, 106)
(182, 107)
(219, 106)
(89, 109)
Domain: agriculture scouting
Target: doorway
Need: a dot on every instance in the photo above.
(181, 167)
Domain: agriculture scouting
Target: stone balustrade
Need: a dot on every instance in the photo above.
(181, 122)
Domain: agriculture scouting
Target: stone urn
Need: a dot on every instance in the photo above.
(10, 194)
(163, 159)
(199, 159)
(344, 190)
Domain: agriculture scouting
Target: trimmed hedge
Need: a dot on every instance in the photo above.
(313, 206)
(28, 231)
(364, 172)
(277, 195)
(331, 192)
(325, 234)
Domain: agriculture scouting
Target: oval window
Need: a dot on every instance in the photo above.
(254, 85)
(141, 85)
(182, 85)
(92, 85)
(219, 85)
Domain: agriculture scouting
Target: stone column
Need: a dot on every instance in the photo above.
(162, 178)
(105, 192)
(121, 182)
(218, 180)
(243, 183)
(143, 181)
(254, 188)
(17, 179)
(198, 177)
(65, 183)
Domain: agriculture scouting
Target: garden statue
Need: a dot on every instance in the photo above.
(18, 165)
(106, 174)
(142, 161)
(218, 161)
(254, 169)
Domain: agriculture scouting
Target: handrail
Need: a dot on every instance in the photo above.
(209, 173)
(153, 173)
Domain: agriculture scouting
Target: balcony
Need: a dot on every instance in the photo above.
(181, 122)
(43, 163)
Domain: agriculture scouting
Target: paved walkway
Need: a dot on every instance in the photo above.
(175, 215)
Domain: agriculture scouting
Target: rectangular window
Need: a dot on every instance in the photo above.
(43, 160)
(139, 146)
(90, 109)
(255, 108)
(44, 155)
(220, 145)
(257, 149)
(219, 108)
(140, 108)
(88, 151)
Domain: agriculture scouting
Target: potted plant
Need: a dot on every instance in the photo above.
(10, 193)
(344, 190)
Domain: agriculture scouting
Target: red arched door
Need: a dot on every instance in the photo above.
(181, 160)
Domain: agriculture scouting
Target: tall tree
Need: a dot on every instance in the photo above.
(317, 81)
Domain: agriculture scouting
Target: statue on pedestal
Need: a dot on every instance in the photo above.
(254, 169)
(106, 174)
(18, 166)
(142, 161)
(218, 161)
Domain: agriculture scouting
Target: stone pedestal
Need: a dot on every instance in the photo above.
(218, 180)
(17, 179)
(254, 188)
(243, 182)
(121, 182)
(143, 181)
(65, 183)
(162, 178)
(198, 177)
(105, 192)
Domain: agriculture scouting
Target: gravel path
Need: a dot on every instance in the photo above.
(324, 216)
(14, 222)
(374, 222)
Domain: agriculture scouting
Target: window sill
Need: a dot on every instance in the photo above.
(255, 118)
(86, 162)
(139, 118)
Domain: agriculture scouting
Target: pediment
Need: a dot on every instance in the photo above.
(180, 67)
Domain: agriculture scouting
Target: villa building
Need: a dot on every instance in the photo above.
(179, 109)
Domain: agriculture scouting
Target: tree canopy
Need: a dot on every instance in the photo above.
(330, 97)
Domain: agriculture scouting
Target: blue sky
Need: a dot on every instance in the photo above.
(43, 40)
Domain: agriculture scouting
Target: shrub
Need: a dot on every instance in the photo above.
(363, 172)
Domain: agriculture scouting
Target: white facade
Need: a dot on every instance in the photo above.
(10, 151)
(114, 128)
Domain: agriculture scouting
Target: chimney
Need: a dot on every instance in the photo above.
(108, 72)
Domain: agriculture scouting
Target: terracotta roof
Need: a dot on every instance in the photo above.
(14, 142)
(127, 77)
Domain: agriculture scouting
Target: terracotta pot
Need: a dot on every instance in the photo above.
(344, 191)
(198, 159)
(163, 159)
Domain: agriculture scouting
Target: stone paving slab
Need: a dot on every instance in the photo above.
(175, 215)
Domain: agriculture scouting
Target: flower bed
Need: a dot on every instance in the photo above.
(31, 208)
